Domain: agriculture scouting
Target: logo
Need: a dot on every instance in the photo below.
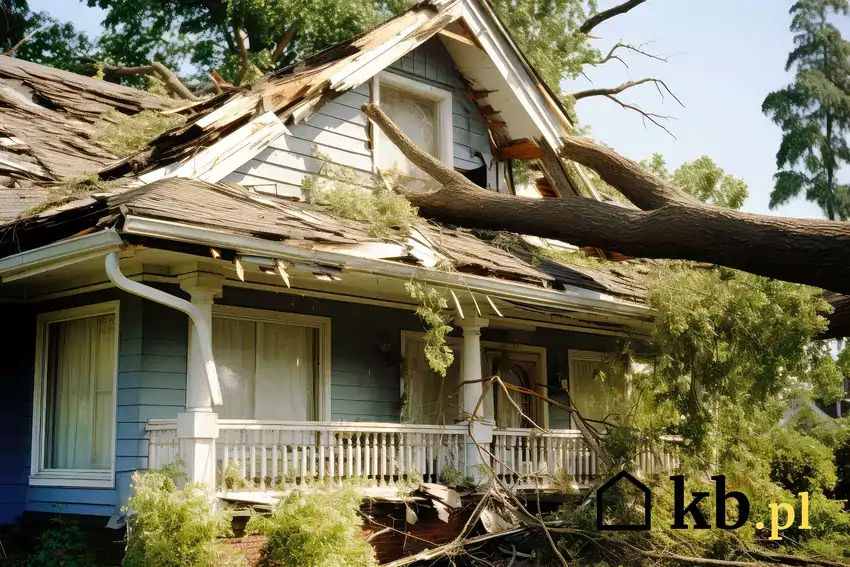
(692, 516)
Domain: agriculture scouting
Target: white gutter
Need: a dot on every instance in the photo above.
(58, 255)
(203, 330)
(571, 298)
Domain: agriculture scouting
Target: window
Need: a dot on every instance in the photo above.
(423, 112)
(74, 401)
(430, 399)
(271, 365)
(595, 387)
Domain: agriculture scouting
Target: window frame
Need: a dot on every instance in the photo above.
(74, 478)
(321, 324)
(595, 356)
(443, 98)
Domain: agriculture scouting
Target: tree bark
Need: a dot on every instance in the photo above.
(172, 81)
(605, 15)
(670, 224)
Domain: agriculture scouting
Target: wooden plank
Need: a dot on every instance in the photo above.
(522, 150)
(328, 138)
(357, 132)
(457, 37)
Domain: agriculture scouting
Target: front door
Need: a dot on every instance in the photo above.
(519, 371)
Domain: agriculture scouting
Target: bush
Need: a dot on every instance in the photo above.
(314, 530)
(174, 527)
(801, 463)
(61, 546)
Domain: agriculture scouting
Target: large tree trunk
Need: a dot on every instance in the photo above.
(669, 224)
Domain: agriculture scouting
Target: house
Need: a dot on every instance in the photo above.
(201, 312)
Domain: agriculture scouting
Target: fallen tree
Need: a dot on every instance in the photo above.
(666, 223)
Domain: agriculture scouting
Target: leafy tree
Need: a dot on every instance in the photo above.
(814, 111)
(703, 179)
(55, 43)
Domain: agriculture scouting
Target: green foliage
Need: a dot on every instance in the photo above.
(547, 32)
(314, 529)
(800, 463)
(63, 545)
(233, 478)
(126, 135)
(814, 111)
(703, 179)
(57, 44)
(170, 526)
(82, 185)
(728, 339)
(431, 308)
(341, 192)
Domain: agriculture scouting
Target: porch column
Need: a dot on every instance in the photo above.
(470, 373)
(197, 427)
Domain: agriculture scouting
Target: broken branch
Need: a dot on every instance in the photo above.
(243, 53)
(157, 69)
(605, 15)
(26, 38)
(284, 42)
(639, 50)
(625, 86)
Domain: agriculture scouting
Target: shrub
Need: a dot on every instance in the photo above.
(61, 546)
(319, 529)
(800, 463)
(174, 527)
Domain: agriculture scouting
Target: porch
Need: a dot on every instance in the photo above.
(274, 455)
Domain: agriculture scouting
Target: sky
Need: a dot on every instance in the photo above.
(724, 57)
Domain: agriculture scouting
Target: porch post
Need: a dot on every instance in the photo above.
(479, 429)
(197, 427)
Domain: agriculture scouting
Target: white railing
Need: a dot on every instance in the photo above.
(256, 454)
(268, 454)
(163, 445)
(529, 457)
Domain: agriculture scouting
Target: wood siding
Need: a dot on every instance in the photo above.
(151, 383)
(339, 133)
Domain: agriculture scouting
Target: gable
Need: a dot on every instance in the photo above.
(472, 39)
(338, 134)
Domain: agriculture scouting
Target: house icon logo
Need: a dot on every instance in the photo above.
(600, 504)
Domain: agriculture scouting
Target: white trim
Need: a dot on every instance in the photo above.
(571, 298)
(443, 98)
(321, 324)
(58, 255)
(94, 478)
(506, 57)
(222, 158)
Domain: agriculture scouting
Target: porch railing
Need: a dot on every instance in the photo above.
(257, 454)
(266, 454)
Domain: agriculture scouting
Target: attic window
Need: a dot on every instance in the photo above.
(423, 112)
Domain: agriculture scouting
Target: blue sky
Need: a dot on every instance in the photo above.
(725, 56)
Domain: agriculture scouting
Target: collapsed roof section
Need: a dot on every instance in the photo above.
(523, 116)
(48, 118)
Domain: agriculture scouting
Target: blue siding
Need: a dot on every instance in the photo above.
(151, 382)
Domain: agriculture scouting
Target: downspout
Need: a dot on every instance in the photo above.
(201, 327)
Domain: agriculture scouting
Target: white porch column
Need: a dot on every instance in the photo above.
(197, 427)
(479, 429)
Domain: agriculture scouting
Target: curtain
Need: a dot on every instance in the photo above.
(234, 348)
(266, 370)
(431, 399)
(286, 374)
(418, 119)
(507, 414)
(595, 389)
(79, 393)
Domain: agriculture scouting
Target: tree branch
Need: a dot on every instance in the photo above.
(605, 15)
(243, 53)
(15, 47)
(172, 81)
(625, 86)
(284, 42)
(639, 50)
(672, 224)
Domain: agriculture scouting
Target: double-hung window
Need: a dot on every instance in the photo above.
(271, 365)
(74, 401)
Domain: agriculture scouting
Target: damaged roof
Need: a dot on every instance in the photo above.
(47, 119)
(235, 210)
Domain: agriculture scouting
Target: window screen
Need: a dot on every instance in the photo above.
(417, 117)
